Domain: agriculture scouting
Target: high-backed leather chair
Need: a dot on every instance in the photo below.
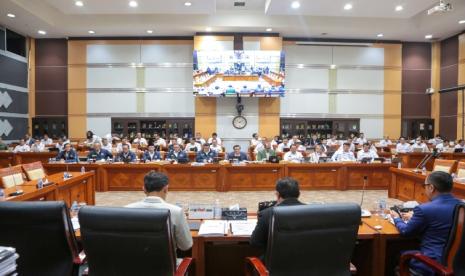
(34, 170)
(444, 165)
(43, 236)
(310, 240)
(454, 253)
(129, 241)
(11, 176)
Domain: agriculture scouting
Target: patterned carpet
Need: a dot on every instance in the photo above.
(247, 199)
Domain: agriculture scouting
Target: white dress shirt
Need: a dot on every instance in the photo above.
(119, 147)
(293, 157)
(59, 147)
(191, 146)
(142, 141)
(37, 147)
(108, 147)
(422, 146)
(160, 142)
(385, 143)
(315, 157)
(254, 141)
(182, 235)
(366, 154)
(23, 148)
(332, 142)
(341, 156)
(46, 141)
(361, 140)
(283, 146)
(403, 148)
(218, 148)
(218, 140)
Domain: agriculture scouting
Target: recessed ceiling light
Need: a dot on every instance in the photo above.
(208, 29)
(295, 5)
(11, 15)
(429, 36)
(133, 4)
(379, 35)
(79, 3)
(269, 29)
(187, 4)
(333, 66)
(348, 6)
(41, 32)
(462, 22)
(149, 31)
(399, 8)
(91, 32)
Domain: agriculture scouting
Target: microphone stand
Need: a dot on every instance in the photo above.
(425, 160)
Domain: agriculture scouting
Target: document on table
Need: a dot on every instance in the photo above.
(75, 222)
(213, 228)
(242, 227)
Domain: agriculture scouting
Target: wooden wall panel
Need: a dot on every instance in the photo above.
(435, 83)
(268, 117)
(449, 77)
(205, 116)
(461, 81)
(77, 85)
(32, 82)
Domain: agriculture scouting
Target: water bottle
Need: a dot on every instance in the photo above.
(83, 170)
(40, 183)
(74, 208)
(382, 208)
(399, 165)
(217, 209)
(2, 194)
(423, 171)
(65, 175)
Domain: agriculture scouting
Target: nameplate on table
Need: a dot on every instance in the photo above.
(201, 211)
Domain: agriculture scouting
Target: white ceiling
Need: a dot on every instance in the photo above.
(61, 18)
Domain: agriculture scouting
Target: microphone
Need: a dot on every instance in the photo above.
(365, 213)
(17, 192)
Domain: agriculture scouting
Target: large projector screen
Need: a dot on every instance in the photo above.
(239, 73)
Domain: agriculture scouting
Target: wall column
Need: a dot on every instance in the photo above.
(435, 83)
(77, 89)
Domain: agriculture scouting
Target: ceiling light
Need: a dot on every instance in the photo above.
(149, 31)
(462, 22)
(379, 35)
(42, 32)
(133, 4)
(399, 8)
(208, 29)
(91, 32)
(187, 4)
(11, 15)
(79, 3)
(429, 36)
(269, 29)
(333, 66)
(295, 5)
(348, 6)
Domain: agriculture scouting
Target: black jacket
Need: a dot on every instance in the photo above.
(259, 236)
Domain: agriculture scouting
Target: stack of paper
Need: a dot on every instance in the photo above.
(213, 228)
(242, 227)
(8, 258)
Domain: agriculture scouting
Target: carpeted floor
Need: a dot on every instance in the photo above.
(247, 199)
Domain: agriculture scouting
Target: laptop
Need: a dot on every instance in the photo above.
(273, 159)
(459, 150)
(324, 160)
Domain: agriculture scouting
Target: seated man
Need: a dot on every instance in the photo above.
(214, 137)
(403, 146)
(124, 141)
(46, 141)
(158, 141)
(97, 153)
(126, 155)
(285, 145)
(319, 152)
(140, 140)
(431, 221)
(266, 152)
(60, 143)
(177, 154)
(22, 147)
(287, 194)
(419, 145)
(293, 155)
(68, 154)
(156, 190)
(344, 155)
(107, 145)
(193, 145)
(237, 154)
(206, 155)
(37, 146)
(215, 146)
(198, 138)
(366, 152)
(150, 154)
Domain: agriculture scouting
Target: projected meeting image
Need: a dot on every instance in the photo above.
(239, 73)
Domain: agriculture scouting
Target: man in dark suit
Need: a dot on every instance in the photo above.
(150, 154)
(237, 154)
(206, 155)
(431, 221)
(287, 194)
(126, 156)
(177, 154)
(68, 154)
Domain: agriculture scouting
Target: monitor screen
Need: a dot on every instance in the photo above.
(239, 73)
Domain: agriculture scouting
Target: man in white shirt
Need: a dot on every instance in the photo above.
(22, 147)
(460, 144)
(403, 146)
(366, 152)
(261, 145)
(293, 155)
(255, 139)
(46, 141)
(315, 156)
(344, 155)
(91, 139)
(420, 145)
(215, 137)
(38, 146)
(59, 145)
(193, 145)
(199, 139)
(294, 140)
(124, 141)
(350, 142)
(333, 141)
(156, 189)
(215, 146)
(284, 145)
(361, 139)
(158, 141)
(140, 140)
(107, 145)
(178, 139)
(385, 142)
(275, 142)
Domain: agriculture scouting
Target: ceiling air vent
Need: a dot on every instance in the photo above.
(239, 4)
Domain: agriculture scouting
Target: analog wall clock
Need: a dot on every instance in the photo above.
(239, 122)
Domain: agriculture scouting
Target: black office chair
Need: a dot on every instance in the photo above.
(310, 240)
(129, 241)
(454, 253)
(43, 236)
